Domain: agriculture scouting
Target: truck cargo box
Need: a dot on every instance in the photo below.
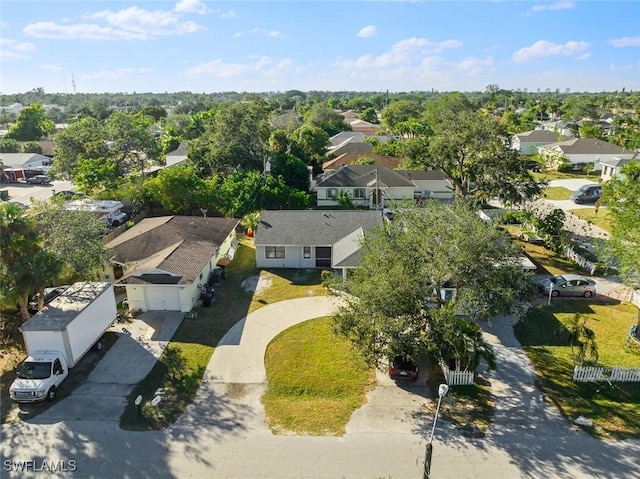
(73, 322)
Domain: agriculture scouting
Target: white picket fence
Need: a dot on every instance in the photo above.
(587, 265)
(457, 378)
(635, 297)
(594, 374)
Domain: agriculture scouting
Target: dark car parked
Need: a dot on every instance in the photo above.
(403, 367)
(587, 194)
(49, 295)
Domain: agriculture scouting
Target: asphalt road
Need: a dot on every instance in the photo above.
(25, 193)
(223, 434)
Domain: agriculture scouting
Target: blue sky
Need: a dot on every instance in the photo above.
(206, 46)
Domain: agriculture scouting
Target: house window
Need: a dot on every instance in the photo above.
(306, 252)
(359, 193)
(272, 252)
(332, 193)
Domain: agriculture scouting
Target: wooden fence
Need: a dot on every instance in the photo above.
(594, 374)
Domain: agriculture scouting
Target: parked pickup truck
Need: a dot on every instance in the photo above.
(57, 337)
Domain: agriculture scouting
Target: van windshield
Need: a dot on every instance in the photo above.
(33, 370)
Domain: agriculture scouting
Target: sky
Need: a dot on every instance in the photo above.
(248, 46)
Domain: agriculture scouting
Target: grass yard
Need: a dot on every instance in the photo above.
(544, 336)
(558, 175)
(180, 369)
(316, 380)
(601, 219)
(556, 193)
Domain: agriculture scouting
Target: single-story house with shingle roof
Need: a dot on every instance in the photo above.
(611, 168)
(177, 156)
(375, 186)
(164, 261)
(582, 151)
(528, 142)
(313, 238)
(391, 162)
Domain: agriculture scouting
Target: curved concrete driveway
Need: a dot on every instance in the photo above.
(239, 357)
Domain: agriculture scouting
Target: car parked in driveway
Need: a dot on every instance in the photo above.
(586, 194)
(403, 367)
(568, 285)
(39, 180)
(49, 295)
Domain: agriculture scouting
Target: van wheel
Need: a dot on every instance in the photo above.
(51, 394)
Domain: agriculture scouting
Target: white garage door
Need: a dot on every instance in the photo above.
(162, 298)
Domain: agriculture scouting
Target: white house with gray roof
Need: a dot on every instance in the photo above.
(375, 186)
(528, 142)
(313, 238)
(611, 168)
(581, 152)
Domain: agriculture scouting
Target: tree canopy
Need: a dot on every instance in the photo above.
(32, 124)
(402, 294)
(472, 149)
(622, 196)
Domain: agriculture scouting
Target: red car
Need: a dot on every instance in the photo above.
(403, 367)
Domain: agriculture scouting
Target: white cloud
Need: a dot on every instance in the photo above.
(368, 32)
(15, 50)
(117, 74)
(191, 6)
(626, 42)
(543, 7)
(262, 67)
(238, 35)
(83, 31)
(543, 49)
(615, 67)
(401, 53)
(50, 68)
(153, 23)
(229, 14)
(268, 33)
(584, 56)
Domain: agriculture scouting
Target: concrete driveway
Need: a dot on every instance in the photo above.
(23, 192)
(102, 397)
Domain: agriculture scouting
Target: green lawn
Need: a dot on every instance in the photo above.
(556, 193)
(181, 367)
(558, 175)
(601, 219)
(316, 380)
(544, 336)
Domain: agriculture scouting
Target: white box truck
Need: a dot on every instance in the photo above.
(59, 336)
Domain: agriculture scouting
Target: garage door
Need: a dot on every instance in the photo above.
(162, 298)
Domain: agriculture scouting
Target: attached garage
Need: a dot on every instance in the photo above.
(162, 298)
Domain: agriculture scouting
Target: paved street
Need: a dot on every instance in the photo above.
(24, 193)
(224, 433)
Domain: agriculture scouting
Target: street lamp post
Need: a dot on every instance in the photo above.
(442, 391)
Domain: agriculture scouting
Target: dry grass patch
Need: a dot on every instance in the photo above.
(601, 219)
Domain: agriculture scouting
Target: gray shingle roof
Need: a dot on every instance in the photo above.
(537, 136)
(313, 227)
(585, 146)
(179, 244)
(354, 176)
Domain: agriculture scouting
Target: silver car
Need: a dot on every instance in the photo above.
(568, 285)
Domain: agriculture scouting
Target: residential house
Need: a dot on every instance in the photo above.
(391, 162)
(177, 156)
(348, 142)
(528, 142)
(560, 127)
(361, 126)
(375, 186)
(313, 238)
(19, 166)
(582, 151)
(613, 167)
(164, 262)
